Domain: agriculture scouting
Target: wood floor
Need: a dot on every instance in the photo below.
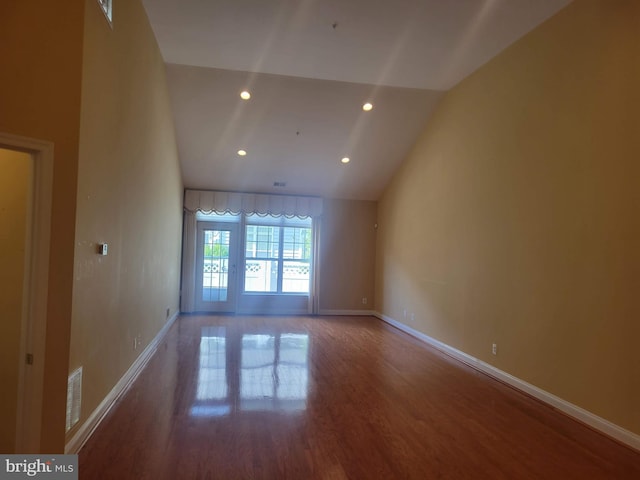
(299, 398)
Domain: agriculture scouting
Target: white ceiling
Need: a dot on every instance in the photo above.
(314, 63)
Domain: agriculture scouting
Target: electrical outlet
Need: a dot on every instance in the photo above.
(413, 316)
(364, 300)
(494, 349)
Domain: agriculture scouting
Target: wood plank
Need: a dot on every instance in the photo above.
(332, 398)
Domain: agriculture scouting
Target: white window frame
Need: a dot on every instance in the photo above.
(107, 8)
(280, 222)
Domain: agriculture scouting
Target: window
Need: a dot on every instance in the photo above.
(215, 267)
(277, 256)
(107, 9)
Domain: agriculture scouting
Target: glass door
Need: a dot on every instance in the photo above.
(216, 278)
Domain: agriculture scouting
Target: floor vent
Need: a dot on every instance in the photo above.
(74, 397)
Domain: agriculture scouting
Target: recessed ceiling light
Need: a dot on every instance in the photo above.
(345, 160)
(367, 106)
(245, 95)
(242, 153)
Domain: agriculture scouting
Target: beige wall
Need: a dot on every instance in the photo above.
(129, 196)
(516, 220)
(347, 254)
(15, 180)
(41, 52)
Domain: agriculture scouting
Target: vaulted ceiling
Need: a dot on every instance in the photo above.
(310, 65)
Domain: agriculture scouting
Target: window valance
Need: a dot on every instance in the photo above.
(208, 201)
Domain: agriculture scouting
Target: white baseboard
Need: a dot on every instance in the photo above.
(273, 311)
(364, 313)
(598, 423)
(77, 441)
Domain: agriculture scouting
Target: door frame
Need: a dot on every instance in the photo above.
(232, 278)
(34, 311)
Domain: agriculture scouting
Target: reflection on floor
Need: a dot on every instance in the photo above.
(273, 373)
(242, 397)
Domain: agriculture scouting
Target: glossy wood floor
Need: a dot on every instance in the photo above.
(301, 398)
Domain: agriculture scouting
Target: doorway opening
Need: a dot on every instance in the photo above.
(25, 211)
(216, 266)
